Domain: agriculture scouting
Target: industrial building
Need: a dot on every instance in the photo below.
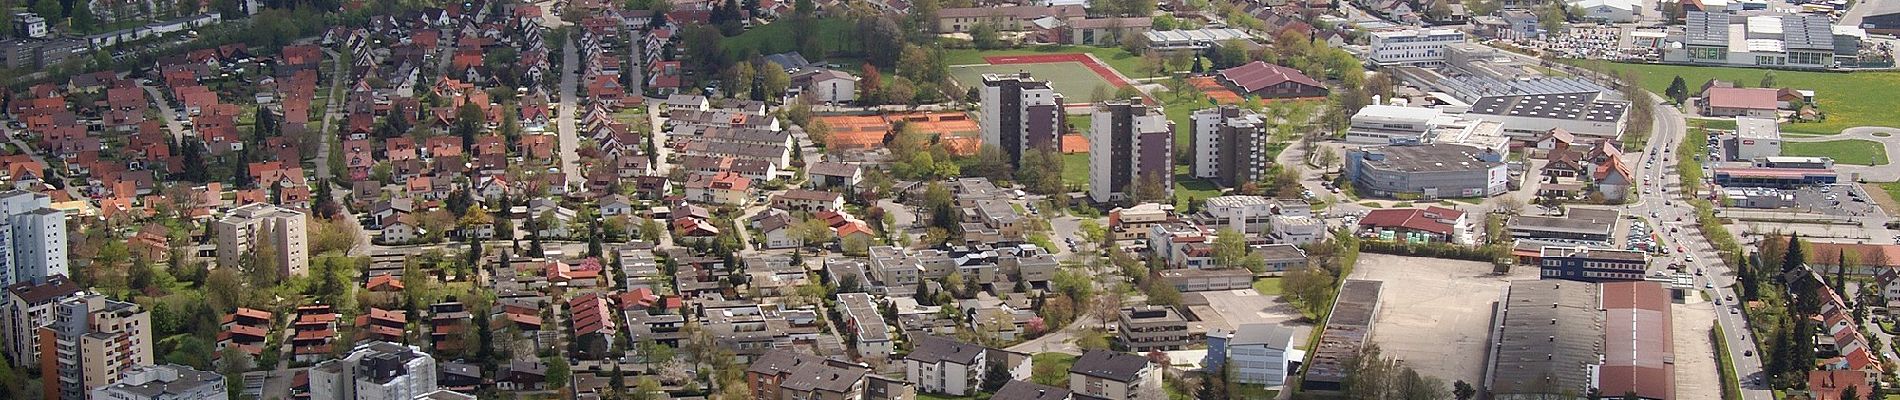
(1767, 40)
(1558, 337)
(1756, 138)
(1383, 124)
(1579, 263)
(1415, 46)
(1578, 224)
(1580, 113)
(1426, 171)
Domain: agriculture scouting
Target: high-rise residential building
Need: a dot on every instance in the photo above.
(165, 382)
(1229, 145)
(27, 307)
(92, 341)
(247, 228)
(1020, 114)
(32, 237)
(1129, 142)
(375, 371)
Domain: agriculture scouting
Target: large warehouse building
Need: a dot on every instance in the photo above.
(1556, 337)
(1426, 171)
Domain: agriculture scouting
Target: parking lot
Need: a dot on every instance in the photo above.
(1436, 313)
(1839, 200)
(1245, 306)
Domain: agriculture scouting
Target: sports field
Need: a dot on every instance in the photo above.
(1074, 81)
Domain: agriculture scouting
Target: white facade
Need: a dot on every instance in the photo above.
(164, 382)
(1382, 124)
(375, 371)
(1418, 46)
(1258, 354)
(34, 235)
(1297, 230)
(1614, 11)
(1244, 214)
(245, 227)
(1756, 138)
(835, 90)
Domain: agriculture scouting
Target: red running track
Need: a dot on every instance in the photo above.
(1100, 70)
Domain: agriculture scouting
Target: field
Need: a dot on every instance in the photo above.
(1853, 151)
(1717, 124)
(1848, 99)
(1075, 82)
(1075, 169)
(1120, 60)
(1267, 286)
(833, 35)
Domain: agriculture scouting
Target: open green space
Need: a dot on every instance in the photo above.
(1851, 151)
(1076, 83)
(1061, 363)
(1075, 169)
(1129, 64)
(1712, 123)
(1187, 187)
(834, 35)
(1847, 99)
(1267, 286)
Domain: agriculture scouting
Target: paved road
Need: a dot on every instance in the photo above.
(1877, 173)
(330, 113)
(564, 121)
(173, 123)
(1661, 197)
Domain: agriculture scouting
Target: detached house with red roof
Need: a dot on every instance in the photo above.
(1739, 102)
(1263, 80)
(728, 188)
(1427, 225)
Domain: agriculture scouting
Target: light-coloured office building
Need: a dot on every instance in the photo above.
(1383, 124)
(375, 371)
(165, 382)
(34, 236)
(27, 307)
(1257, 353)
(1416, 46)
(95, 341)
(247, 228)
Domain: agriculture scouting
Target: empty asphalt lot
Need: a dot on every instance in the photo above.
(1435, 314)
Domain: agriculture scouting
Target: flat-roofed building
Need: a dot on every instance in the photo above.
(1148, 328)
(1383, 124)
(1019, 114)
(1229, 145)
(1593, 265)
(1347, 329)
(1204, 280)
(1416, 46)
(1529, 116)
(1756, 138)
(1582, 224)
(256, 225)
(164, 382)
(1131, 147)
(1557, 337)
(1426, 171)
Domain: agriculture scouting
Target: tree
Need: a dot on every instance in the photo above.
(774, 80)
(1309, 289)
(558, 372)
(882, 40)
(1231, 251)
(1551, 17)
(995, 377)
(737, 81)
(1768, 80)
(1678, 90)
(1462, 390)
(984, 36)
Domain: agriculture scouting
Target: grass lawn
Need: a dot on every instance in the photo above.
(1075, 169)
(1711, 123)
(1129, 64)
(1076, 83)
(1854, 151)
(1064, 361)
(1848, 99)
(1187, 187)
(833, 35)
(1267, 286)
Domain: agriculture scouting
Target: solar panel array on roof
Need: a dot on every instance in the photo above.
(1705, 29)
(1811, 32)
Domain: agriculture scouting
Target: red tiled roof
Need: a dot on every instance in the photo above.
(1828, 385)
(1412, 218)
(1259, 75)
(1754, 99)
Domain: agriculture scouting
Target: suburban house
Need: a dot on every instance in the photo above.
(1739, 102)
(809, 200)
(727, 188)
